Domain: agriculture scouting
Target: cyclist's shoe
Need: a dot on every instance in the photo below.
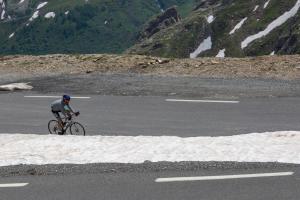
(77, 113)
(61, 132)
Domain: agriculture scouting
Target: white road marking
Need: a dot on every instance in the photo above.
(10, 185)
(200, 101)
(55, 97)
(204, 178)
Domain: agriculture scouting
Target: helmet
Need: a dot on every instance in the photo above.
(66, 97)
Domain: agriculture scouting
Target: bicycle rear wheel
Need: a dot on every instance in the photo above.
(77, 129)
(53, 127)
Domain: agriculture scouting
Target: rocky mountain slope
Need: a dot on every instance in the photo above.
(76, 26)
(232, 28)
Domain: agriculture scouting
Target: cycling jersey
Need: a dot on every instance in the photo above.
(60, 106)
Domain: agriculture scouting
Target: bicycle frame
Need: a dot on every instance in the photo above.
(67, 125)
(67, 122)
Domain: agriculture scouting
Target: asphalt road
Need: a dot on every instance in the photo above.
(133, 186)
(148, 115)
(264, 105)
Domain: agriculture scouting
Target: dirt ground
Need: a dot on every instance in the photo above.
(277, 67)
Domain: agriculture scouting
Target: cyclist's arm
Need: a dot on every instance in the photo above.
(67, 111)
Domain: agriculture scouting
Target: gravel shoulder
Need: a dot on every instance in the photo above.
(134, 75)
(102, 168)
(277, 67)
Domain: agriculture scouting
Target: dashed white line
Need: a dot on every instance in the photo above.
(200, 101)
(10, 185)
(56, 97)
(204, 178)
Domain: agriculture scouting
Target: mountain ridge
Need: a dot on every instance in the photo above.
(237, 29)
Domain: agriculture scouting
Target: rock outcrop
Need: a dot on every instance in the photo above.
(162, 21)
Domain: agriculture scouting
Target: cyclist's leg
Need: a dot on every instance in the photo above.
(60, 122)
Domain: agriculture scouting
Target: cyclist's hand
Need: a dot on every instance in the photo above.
(77, 113)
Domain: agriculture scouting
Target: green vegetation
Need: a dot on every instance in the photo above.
(99, 26)
(112, 26)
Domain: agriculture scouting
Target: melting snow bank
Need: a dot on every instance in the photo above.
(276, 23)
(18, 149)
(15, 86)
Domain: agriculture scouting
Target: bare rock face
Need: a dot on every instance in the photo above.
(162, 21)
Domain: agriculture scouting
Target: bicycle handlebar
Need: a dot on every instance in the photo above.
(73, 114)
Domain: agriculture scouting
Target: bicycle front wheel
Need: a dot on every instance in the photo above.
(53, 127)
(77, 129)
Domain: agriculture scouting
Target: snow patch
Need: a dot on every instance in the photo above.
(15, 86)
(159, 5)
(11, 35)
(34, 16)
(21, 1)
(41, 5)
(204, 46)
(221, 54)
(50, 15)
(266, 4)
(256, 7)
(3, 15)
(276, 23)
(238, 26)
(67, 12)
(210, 19)
(283, 147)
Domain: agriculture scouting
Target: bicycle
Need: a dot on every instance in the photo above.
(75, 128)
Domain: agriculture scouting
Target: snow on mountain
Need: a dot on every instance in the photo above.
(159, 5)
(2, 10)
(210, 19)
(221, 54)
(266, 4)
(204, 46)
(255, 8)
(41, 5)
(238, 26)
(11, 35)
(34, 16)
(276, 23)
(50, 15)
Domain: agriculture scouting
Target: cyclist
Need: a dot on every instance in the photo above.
(62, 106)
